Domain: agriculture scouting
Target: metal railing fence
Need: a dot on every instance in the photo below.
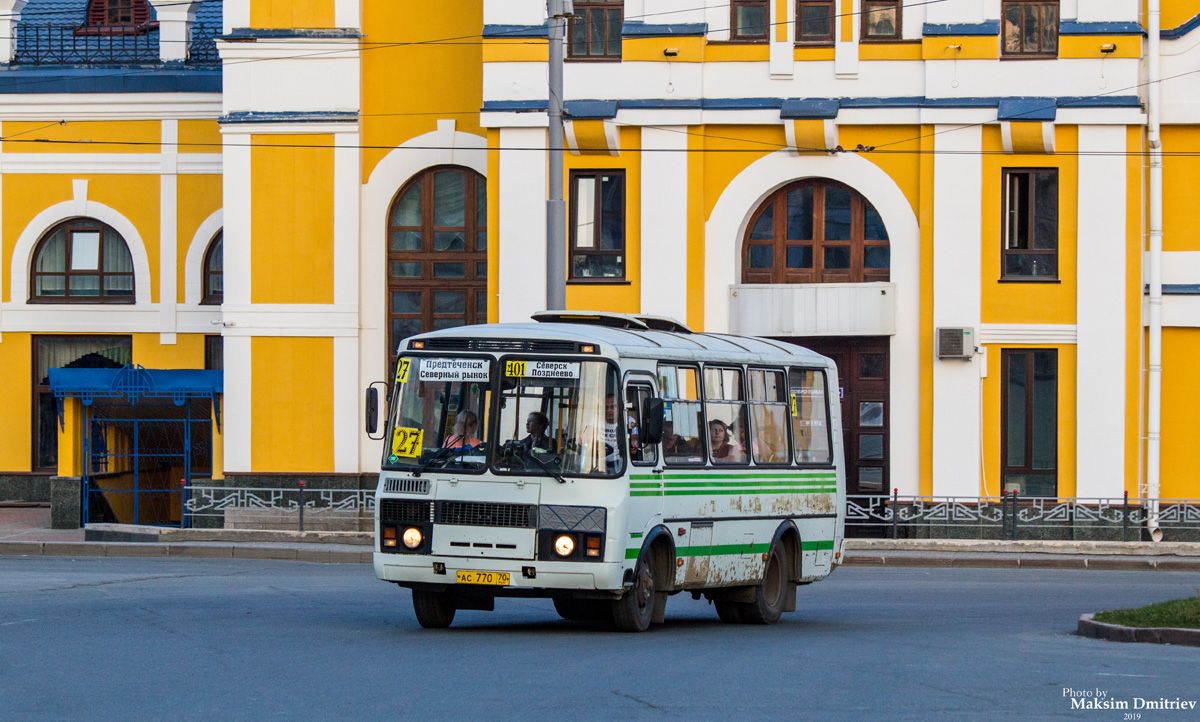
(39, 43)
(1016, 517)
(297, 508)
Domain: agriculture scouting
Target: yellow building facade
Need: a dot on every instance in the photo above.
(879, 183)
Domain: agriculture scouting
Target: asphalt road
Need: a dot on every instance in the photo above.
(168, 639)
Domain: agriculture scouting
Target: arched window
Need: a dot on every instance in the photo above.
(81, 261)
(815, 231)
(117, 17)
(437, 253)
(214, 285)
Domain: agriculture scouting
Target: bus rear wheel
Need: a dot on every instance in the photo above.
(771, 592)
(435, 610)
(729, 612)
(634, 611)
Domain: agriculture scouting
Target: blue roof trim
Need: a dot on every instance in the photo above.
(591, 109)
(909, 101)
(134, 382)
(325, 116)
(987, 27)
(1179, 289)
(1027, 109)
(513, 106)
(1179, 32)
(809, 109)
(1045, 106)
(256, 33)
(1074, 27)
(69, 79)
(665, 104)
(516, 31)
(741, 103)
(642, 30)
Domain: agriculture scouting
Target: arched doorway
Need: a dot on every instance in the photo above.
(437, 254)
(821, 231)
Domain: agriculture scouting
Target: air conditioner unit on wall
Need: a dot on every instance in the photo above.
(956, 343)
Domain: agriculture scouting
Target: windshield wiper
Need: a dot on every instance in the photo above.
(518, 448)
(438, 455)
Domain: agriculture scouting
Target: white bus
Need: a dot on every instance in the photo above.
(607, 461)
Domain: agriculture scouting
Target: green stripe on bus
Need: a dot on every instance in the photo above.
(644, 485)
(747, 475)
(749, 491)
(635, 535)
(749, 482)
(731, 549)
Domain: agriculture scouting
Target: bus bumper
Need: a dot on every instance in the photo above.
(549, 576)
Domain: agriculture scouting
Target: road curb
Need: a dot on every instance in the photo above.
(321, 554)
(1089, 627)
(1008, 562)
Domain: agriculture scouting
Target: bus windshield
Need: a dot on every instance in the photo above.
(559, 418)
(439, 414)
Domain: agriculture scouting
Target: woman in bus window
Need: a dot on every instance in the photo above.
(723, 450)
(464, 431)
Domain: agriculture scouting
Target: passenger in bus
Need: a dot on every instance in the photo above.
(464, 431)
(536, 424)
(672, 443)
(723, 451)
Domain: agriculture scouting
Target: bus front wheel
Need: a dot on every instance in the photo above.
(771, 592)
(435, 610)
(634, 611)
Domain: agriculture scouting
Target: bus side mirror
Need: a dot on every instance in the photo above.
(372, 411)
(651, 430)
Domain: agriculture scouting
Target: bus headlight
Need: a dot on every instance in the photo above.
(412, 537)
(564, 545)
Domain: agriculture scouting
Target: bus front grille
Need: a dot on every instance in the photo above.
(474, 513)
(405, 511)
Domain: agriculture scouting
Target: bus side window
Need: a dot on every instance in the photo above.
(768, 416)
(725, 407)
(683, 442)
(809, 415)
(636, 395)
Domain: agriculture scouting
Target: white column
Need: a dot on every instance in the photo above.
(236, 407)
(347, 392)
(235, 161)
(1100, 314)
(664, 227)
(175, 21)
(845, 50)
(168, 242)
(10, 15)
(782, 58)
(522, 236)
(957, 239)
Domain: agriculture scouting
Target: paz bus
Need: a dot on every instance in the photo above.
(608, 461)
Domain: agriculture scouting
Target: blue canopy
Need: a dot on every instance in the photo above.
(134, 382)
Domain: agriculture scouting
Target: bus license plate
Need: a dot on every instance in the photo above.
(499, 579)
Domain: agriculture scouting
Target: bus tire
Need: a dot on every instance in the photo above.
(729, 612)
(435, 610)
(634, 611)
(771, 593)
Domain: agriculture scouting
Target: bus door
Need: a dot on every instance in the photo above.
(687, 507)
(645, 471)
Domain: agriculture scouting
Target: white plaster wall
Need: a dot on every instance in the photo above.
(1100, 315)
(236, 407)
(290, 76)
(522, 236)
(957, 232)
(1180, 267)
(726, 226)
(957, 11)
(664, 12)
(1052, 78)
(1091, 11)
(514, 12)
(664, 222)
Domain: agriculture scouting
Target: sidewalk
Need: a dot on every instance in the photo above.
(25, 531)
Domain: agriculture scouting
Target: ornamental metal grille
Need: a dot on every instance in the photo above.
(474, 513)
(1023, 517)
(39, 43)
(202, 46)
(280, 508)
